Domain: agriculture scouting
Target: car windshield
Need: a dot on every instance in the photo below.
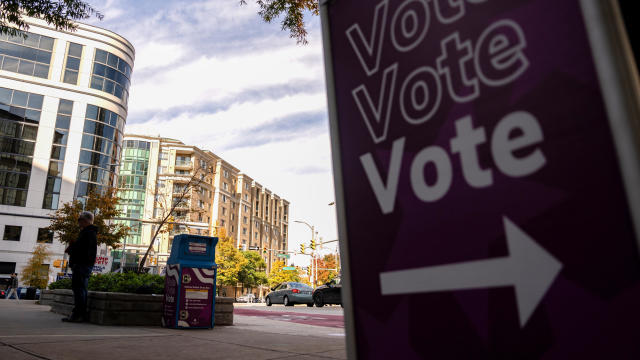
(300, 286)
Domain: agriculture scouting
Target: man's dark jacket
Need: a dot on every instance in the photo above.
(83, 251)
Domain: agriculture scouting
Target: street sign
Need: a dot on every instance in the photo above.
(285, 256)
(289, 268)
(486, 177)
(102, 264)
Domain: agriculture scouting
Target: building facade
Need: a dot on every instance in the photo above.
(63, 107)
(211, 197)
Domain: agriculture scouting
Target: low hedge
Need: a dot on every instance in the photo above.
(119, 282)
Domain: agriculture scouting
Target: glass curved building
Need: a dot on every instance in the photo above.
(63, 108)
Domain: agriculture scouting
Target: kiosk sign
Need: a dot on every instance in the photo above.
(473, 140)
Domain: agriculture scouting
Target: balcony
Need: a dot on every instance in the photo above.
(185, 165)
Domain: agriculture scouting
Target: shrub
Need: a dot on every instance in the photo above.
(117, 282)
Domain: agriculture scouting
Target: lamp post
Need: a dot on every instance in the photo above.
(313, 257)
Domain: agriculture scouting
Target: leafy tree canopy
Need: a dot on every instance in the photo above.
(253, 273)
(329, 261)
(59, 13)
(277, 275)
(292, 13)
(34, 274)
(230, 261)
(103, 206)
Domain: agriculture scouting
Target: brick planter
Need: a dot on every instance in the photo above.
(125, 309)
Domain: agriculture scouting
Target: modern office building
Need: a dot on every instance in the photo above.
(63, 105)
(211, 196)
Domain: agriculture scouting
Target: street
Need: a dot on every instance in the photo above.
(328, 316)
(31, 331)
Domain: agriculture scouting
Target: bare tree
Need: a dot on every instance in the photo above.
(178, 198)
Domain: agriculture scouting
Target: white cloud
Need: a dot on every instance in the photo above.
(212, 74)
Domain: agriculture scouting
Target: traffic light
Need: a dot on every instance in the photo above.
(170, 224)
(309, 270)
(264, 251)
(59, 263)
(302, 248)
(313, 244)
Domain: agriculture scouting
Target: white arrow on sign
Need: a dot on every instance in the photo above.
(528, 267)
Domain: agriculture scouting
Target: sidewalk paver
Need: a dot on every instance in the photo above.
(30, 331)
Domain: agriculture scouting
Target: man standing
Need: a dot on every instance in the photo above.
(13, 287)
(82, 256)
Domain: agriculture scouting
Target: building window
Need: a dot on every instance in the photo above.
(224, 198)
(225, 186)
(58, 150)
(12, 233)
(246, 197)
(224, 211)
(7, 267)
(72, 63)
(19, 118)
(244, 231)
(28, 56)
(244, 219)
(111, 74)
(100, 150)
(225, 173)
(45, 236)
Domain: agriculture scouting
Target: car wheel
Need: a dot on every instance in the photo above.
(318, 301)
(286, 301)
(310, 305)
(268, 301)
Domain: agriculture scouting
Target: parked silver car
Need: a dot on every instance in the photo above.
(289, 294)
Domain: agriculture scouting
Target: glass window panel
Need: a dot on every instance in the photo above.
(29, 132)
(83, 172)
(108, 86)
(10, 128)
(17, 38)
(17, 111)
(65, 107)
(42, 56)
(35, 101)
(26, 53)
(87, 141)
(70, 77)
(118, 92)
(60, 137)
(41, 71)
(55, 168)
(53, 184)
(98, 144)
(32, 115)
(75, 50)
(108, 132)
(101, 56)
(5, 95)
(102, 115)
(46, 43)
(73, 63)
(12, 233)
(92, 112)
(112, 60)
(58, 152)
(113, 119)
(32, 40)
(10, 64)
(110, 73)
(63, 121)
(96, 82)
(19, 98)
(26, 67)
(45, 236)
(89, 126)
(99, 69)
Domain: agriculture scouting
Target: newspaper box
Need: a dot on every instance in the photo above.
(190, 283)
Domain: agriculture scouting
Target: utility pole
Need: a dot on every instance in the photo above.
(313, 256)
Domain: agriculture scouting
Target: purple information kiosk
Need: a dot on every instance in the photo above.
(190, 283)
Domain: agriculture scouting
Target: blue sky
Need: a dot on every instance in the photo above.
(212, 74)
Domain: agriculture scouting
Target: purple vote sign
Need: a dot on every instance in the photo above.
(484, 180)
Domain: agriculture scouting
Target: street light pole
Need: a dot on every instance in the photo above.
(313, 231)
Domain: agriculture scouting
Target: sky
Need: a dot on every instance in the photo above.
(212, 74)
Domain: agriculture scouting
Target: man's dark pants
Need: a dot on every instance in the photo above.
(79, 285)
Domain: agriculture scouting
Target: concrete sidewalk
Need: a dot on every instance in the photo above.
(30, 331)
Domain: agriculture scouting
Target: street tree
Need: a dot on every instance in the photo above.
(252, 273)
(35, 274)
(230, 262)
(292, 13)
(104, 208)
(60, 14)
(175, 205)
(327, 268)
(279, 275)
